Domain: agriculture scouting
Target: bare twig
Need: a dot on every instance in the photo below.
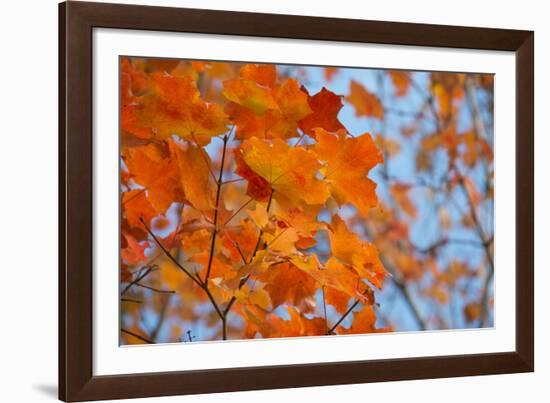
(487, 249)
(233, 181)
(137, 336)
(479, 125)
(240, 252)
(237, 211)
(155, 289)
(196, 280)
(261, 230)
(140, 277)
(351, 308)
(172, 258)
(325, 307)
(134, 196)
(160, 321)
(410, 302)
(245, 279)
(131, 300)
(216, 211)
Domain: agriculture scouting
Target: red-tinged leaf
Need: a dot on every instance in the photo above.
(325, 106)
(134, 251)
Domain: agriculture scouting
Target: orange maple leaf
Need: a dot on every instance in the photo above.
(401, 81)
(290, 172)
(348, 162)
(349, 249)
(173, 106)
(365, 102)
(282, 121)
(325, 106)
(136, 206)
(263, 74)
(250, 94)
(134, 252)
(193, 167)
(151, 167)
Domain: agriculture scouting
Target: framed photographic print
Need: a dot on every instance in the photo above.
(252, 201)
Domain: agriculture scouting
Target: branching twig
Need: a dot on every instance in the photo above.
(245, 279)
(216, 210)
(196, 280)
(172, 258)
(486, 247)
(138, 278)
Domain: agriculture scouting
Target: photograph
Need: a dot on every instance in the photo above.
(262, 200)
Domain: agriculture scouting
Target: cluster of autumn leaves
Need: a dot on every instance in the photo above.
(234, 179)
(246, 243)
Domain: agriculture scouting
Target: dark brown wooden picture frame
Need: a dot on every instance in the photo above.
(76, 23)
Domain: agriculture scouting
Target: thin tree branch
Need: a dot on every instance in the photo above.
(214, 304)
(477, 222)
(261, 230)
(137, 336)
(300, 139)
(410, 302)
(160, 321)
(138, 278)
(325, 308)
(196, 280)
(234, 298)
(155, 289)
(474, 107)
(233, 181)
(245, 279)
(487, 248)
(125, 202)
(237, 212)
(429, 100)
(240, 252)
(351, 308)
(172, 258)
(131, 300)
(216, 210)
(484, 314)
